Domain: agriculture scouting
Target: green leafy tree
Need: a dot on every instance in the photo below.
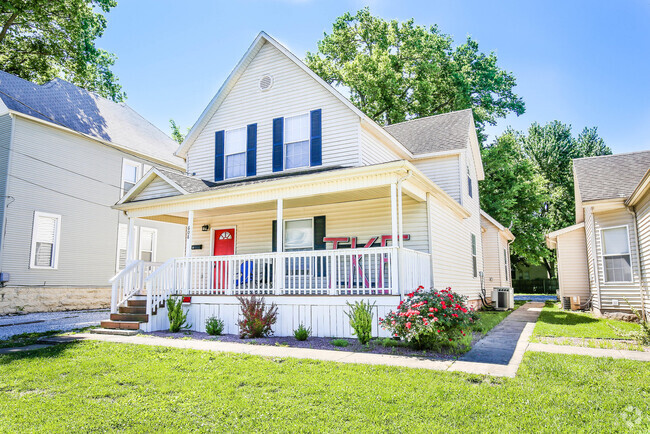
(44, 39)
(513, 192)
(177, 134)
(397, 71)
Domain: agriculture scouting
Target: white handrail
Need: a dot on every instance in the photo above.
(129, 281)
(160, 284)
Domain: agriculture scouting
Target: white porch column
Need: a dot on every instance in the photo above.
(430, 238)
(393, 213)
(130, 241)
(396, 261)
(188, 237)
(280, 261)
(400, 218)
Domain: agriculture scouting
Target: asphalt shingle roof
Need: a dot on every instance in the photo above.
(65, 104)
(610, 176)
(444, 132)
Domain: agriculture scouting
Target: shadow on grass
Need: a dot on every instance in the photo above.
(565, 318)
(43, 353)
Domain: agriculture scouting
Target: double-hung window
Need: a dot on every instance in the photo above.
(45, 240)
(131, 173)
(235, 153)
(616, 254)
(296, 141)
(474, 258)
(505, 263)
(469, 183)
(147, 250)
(298, 235)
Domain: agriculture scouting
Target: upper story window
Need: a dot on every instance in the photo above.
(474, 257)
(616, 254)
(296, 141)
(469, 183)
(45, 240)
(235, 153)
(132, 171)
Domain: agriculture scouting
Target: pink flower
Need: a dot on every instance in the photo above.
(408, 325)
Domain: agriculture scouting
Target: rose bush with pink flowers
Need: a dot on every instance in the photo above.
(431, 319)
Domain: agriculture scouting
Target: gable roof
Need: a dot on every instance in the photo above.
(236, 73)
(437, 133)
(610, 176)
(66, 105)
(487, 217)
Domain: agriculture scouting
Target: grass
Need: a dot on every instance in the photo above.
(555, 322)
(94, 386)
(25, 339)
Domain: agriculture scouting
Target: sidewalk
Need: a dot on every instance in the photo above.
(593, 352)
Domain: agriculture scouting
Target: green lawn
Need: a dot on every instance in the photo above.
(93, 386)
(556, 322)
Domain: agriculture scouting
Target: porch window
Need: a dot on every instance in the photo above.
(235, 153)
(474, 259)
(147, 251)
(45, 240)
(131, 172)
(298, 235)
(296, 141)
(616, 254)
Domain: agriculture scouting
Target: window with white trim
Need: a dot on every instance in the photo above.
(45, 240)
(235, 153)
(469, 183)
(505, 263)
(131, 173)
(474, 258)
(122, 237)
(296, 141)
(616, 254)
(147, 250)
(298, 235)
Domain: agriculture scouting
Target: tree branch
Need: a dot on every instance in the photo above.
(8, 24)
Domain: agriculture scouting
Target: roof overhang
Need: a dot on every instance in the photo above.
(502, 229)
(605, 205)
(551, 238)
(126, 149)
(236, 73)
(152, 174)
(414, 183)
(475, 148)
(640, 190)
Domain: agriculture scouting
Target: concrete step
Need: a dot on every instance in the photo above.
(136, 303)
(140, 317)
(119, 332)
(124, 325)
(136, 310)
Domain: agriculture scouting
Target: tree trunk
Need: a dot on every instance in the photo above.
(550, 268)
(8, 24)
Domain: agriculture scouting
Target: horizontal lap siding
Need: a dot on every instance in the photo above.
(373, 151)
(643, 221)
(88, 240)
(363, 219)
(157, 188)
(294, 92)
(5, 143)
(591, 262)
(492, 258)
(572, 265)
(444, 171)
(617, 291)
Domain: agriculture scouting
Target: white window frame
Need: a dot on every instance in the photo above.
(126, 245)
(138, 173)
(474, 251)
(285, 143)
(284, 233)
(505, 262)
(225, 155)
(603, 255)
(154, 243)
(54, 265)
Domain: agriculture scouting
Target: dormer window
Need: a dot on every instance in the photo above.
(296, 141)
(235, 153)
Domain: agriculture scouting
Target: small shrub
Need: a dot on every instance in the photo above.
(642, 336)
(257, 319)
(360, 315)
(214, 326)
(388, 342)
(339, 342)
(431, 319)
(177, 318)
(302, 332)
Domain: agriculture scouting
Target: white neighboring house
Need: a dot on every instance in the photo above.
(605, 257)
(295, 194)
(66, 156)
(496, 254)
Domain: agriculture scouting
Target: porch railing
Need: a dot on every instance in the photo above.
(130, 281)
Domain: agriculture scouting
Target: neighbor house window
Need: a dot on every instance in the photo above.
(616, 254)
(122, 237)
(296, 141)
(505, 263)
(147, 250)
(45, 240)
(474, 258)
(131, 173)
(469, 183)
(299, 234)
(235, 153)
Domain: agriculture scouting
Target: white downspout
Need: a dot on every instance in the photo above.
(594, 256)
(638, 260)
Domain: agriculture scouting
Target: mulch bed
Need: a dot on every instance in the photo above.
(317, 343)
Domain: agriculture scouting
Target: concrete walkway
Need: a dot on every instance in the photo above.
(501, 345)
(642, 356)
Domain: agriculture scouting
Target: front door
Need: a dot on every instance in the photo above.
(224, 245)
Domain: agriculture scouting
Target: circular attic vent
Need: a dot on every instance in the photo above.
(266, 82)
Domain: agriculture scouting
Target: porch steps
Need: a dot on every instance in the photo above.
(139, 317)
(123, 325)
(119, 332)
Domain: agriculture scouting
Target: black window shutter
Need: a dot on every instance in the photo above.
(319, 244)
(218, 155)
(251, 150)
(316, 140)
(278, 144)
(274, 237)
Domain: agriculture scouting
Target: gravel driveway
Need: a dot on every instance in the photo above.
(41, 322)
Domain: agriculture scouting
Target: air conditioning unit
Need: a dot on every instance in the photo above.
(503, 298)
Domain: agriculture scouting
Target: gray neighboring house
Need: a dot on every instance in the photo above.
(66, 156)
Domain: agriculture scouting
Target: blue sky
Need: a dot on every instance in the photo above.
(584, 63)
